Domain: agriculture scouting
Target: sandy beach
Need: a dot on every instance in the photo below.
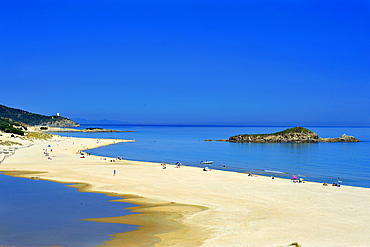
(190, 207)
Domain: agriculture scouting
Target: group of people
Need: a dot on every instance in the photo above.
(82, 154)
(46, 153)
(337, 184)
(178, 165)
(296, 179)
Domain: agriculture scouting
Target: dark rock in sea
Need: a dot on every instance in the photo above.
(99, 130)
(222, 140)
(295, 135)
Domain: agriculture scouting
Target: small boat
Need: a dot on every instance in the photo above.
(206, 162)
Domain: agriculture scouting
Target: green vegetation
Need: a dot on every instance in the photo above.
(27, 117)
(9, 143)
(295, 244)
(93, 129)
(290, 130)
(10, 126)
(293, 130)
(30, 136)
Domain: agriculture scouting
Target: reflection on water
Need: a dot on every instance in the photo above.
(36, 212)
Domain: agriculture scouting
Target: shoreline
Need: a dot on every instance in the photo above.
(257, 172)
(151, 216)
(197, 208)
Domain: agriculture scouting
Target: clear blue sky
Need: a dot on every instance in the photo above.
(188, 62)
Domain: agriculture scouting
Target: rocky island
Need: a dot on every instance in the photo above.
(295, 135)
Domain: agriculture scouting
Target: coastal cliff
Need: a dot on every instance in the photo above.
(57, 121)
(295, 135)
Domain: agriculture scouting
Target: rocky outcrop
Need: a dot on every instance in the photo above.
(59, 122)
(343, 138)
(222, 140)
(294, 135)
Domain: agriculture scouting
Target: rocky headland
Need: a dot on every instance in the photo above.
(57, 121)
(57, 129)
(32, 119)
(294, 135)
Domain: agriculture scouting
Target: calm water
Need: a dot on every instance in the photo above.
(321, 162)
(43, 213)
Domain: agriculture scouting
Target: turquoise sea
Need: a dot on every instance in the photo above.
(320, 162)
(35, 213)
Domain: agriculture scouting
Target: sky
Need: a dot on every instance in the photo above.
(244, 62)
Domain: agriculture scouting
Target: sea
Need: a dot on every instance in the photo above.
(40, 213)
(318, 162)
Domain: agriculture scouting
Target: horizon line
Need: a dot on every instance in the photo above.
(224, 125)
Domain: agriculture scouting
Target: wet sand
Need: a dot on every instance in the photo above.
(191, 207)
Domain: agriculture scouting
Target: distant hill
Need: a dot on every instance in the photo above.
(35, 119)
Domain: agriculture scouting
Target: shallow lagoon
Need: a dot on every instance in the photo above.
(36, 213)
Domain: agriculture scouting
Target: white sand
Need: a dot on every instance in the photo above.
(235, 209)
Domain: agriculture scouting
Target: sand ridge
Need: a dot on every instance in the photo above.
(191, 207)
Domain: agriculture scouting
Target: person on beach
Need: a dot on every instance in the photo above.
(114, 172)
